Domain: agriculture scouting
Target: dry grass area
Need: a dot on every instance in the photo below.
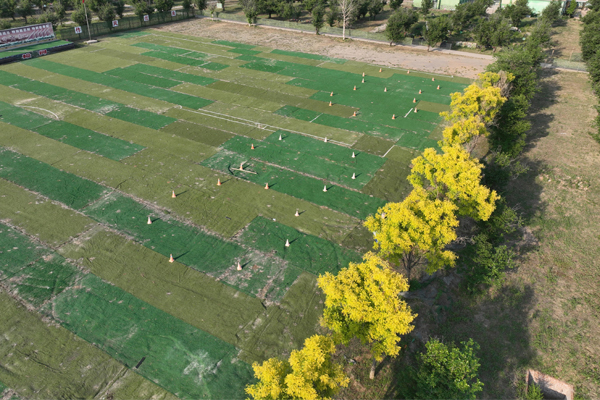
(566, 39)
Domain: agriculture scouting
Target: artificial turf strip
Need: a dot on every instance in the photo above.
(310, 156)
(233, 44)
(310, 253)
(39, 216)
(373, 145)
(350, 124)
(297, 185)
(92, 103)
(245, 52)
(187, 244)
(194, 298)
(57, 185)
(198, 133)
(129, 75)
(172, 50)
(177, 76)
(32, 272)
(123, 84)
(181, 59)
(390, 182)
(52, 363)
(73, 135)
(177, 356)
(34, 47)
(309, 56)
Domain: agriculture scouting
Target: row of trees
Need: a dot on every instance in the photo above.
(363, 300)
(590, 48)
(488, 31)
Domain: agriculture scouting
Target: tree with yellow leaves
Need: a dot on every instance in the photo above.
(416, 230)
(472, 110)
(456, 176)
(363, 301)
(310, 374)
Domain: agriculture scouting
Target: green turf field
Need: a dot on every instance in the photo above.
(93, 144)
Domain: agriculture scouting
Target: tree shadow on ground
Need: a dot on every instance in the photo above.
(498, 323)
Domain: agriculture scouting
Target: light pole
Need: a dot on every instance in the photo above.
(86, 20)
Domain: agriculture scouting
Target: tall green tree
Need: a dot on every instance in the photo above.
(399, 23)
(375, 7)
(493, 32)
(201, 5)
(250, 9)
(8, 9)
(426, 6)
(78, 15)
(318, 18)
(363, 301)
(437, 30)
(448, 372)
(396, 4)
(119, 6)
(107, 14)
(25, 9)
(164, 5)
(551, 13)
(517, 11)
(268, 6)
(333, 14)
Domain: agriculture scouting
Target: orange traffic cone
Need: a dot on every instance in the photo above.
(331, 94)
(325, 188)
(241, 166)
(325, 140)
(149, 220)
(297, 214)
(171, 259)
(408, 71)
(218, 182)
(280, 138)
(354, 115)
(385, 89)
(432, 79)
(239, 267)
(363, 74)
(393, 116)
(252, 146)
(420, 91)
(173, 195)
(267, 185)
(354, 87)
(414, 100)
(287, 243)
(330, 104)
(415, 110)
(438, 88)
(353, 175)
(363, 81)
(353, 155)
(379, 69)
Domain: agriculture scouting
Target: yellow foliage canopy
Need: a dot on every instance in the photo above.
(473, 109)
(416, 229)
(456, 176)
(310, 374)
(363, 301)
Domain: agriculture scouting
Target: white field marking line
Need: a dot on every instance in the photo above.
(408, 113)
(315, 117)
(208, 113)
(43, 109)
(195, 41)
(390, 149)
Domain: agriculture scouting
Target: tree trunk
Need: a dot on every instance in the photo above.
(372, 372)
(344, 30)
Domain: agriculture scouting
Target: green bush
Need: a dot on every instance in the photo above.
(447, 372)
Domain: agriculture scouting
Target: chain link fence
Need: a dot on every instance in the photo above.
(125, 24)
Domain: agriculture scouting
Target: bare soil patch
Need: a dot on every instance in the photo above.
(376, 53)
